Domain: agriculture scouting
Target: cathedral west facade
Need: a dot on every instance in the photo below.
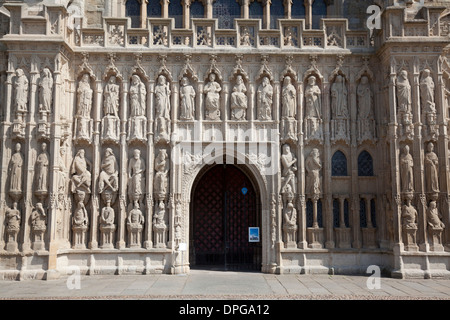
(143, 136)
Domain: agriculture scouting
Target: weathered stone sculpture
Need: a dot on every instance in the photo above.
(21, 92)
(427, 92)
(212, 99)
(340, 125)
(313, 166)
(159, 226)
(138, 122)
(313, 110)
(290, 225)
(366, 119)
(107, 226)
(160, 183)
(109, 176)
(13, 219)
(39, 226)
(406, 171)
(15, 173)
(136, 178)
(42, 171)
(404, 93)
(289, 99)
(46, 91)
(187, 103)
(84, 106)
(288, 162)
(162, 109)
(409, 224)
(81, 177)
(80, 220)
(435, 226)
(135, 222)
(431, 164)
(239, 100)
(111, 121)
(265, 100)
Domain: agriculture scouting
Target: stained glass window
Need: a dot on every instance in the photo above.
(346, 214)
(319, 11)
(373, 213)
(154, 9)
(197, 9)
(336, 213)
(362, 213)
(225, 11)
(339, 164)
(256, 10)
(133, 10)
(365, 164)
(276, 12)
(176, 12)
(298, 10)
(310, 213)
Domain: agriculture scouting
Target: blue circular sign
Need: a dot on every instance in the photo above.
(244, 191)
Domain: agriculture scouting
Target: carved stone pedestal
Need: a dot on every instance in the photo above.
(409, 239)
(11, 245)
(315, 238)
(290, 236)
(38, 237)
(369, 236)
(134, 235)
(107, 238)
(436, 239)
(79, 237)
(343, 238)
(160, 236)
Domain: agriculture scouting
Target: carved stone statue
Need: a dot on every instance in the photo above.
(62, 171)
(313, 99)
(406, 170)
(111, 98)
(212, 100)
(135, 217)
(45, 91)
(136, 169)
(365, 100)
(187, 96)
(42, 172)
(13, 218)
(15, 171)
(138, 94)
(427, 92)
(239, 100)
(159, 225)
(21, 91)
(431, 170)
(38, 217)
(265, 100)
(290, 224)
(81, 177)
(288, 162)
(289, 99)
(109, 175)
(313, 166)
(404, 93)
(160, 184)
(80, 216)
(339, 109)
(84, 97)
(107, 216)
(162, 98)
(433, 216)
(409, 216)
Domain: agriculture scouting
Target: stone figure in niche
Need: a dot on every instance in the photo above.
(160, 186)
(409, 216)
(433, 216)
(431, 170)
(339, 108)
(187, 95)
(313, 166)
(239, 100)
(406, 170)
(290, 217)
(13, 217)
(109, 175)
(111, 96)
(80, 216)
(15, 170)
(62, 171)
(288, 161)
(427, 92)
(45, 91)
(107, 215)
(289, 99)
(313, 99)
(162, 101)
(404, 93)
(38, 217)
(81, 177)
(365, 99)
(42, 172)
(138, 94)
(21, 91)
(84, 97)
(265, 100)
(158, 218)
(135, 217)
(136, 169)
(212, 100)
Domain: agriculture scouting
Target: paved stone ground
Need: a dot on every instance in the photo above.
(216, 285)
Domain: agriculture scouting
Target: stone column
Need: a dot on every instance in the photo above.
(148, 228)
(165, 8)
(308, 13)
(266, 19)
(245, 8)
(288, 8)
(186, 13)
(208, 8)
(122, 214)
(341, 211)
(144, 4)
(302, 242)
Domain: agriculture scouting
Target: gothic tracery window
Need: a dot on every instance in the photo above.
(339, 164)
(365, 164)
(133, 10)
(225, 11)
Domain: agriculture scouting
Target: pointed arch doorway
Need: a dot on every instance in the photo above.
(224, 207)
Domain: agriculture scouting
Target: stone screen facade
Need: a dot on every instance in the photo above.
(111, 111)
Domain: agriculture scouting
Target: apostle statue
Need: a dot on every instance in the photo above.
(403, 93)
(313, 99)
(431, 170)
(111, 94)
(136, 169)
(84, 97)
(45, 91)
(406, 170)
(289, 99)
(288, 161)
(427, 92)
(109, 175)
(212, 100)
(21, 91)
(265, 100)
(239, 100)
(138, 94)
(187, 96)
(81, 177)
(433, 216)
(42, 164)
(339, 108)
(162, 98)
(15, 170)
(160, 183)
(365, 99)
(313, 166)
